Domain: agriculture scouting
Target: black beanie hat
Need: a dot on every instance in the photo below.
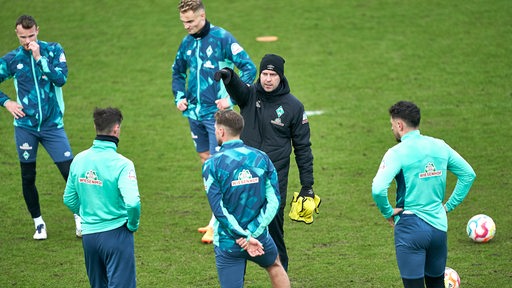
(273, 62)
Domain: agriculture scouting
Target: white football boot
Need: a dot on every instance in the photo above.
(40, 232)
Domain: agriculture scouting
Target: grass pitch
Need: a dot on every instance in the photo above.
(350, 59)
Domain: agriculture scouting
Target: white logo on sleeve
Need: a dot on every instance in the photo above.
(131, 175)
(236, 48)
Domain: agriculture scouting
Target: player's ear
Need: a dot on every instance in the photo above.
(117, 129)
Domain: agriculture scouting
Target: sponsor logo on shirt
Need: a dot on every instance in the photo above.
(430, 171)
(208, 64)
(236, 48)
(90, 179)
(277, 121)
(304, 118)
(279, 112)
(131, 175)
(382, 165)
(245, 178)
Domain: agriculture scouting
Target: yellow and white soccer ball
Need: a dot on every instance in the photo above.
(481, 228)
(451, 278)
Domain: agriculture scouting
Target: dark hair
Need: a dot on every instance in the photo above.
(407, 111)
(26, 21)
(231, 120)
(105, 119)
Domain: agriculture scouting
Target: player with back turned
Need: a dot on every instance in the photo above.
(276, 123)
(242, 188)
(419, 164)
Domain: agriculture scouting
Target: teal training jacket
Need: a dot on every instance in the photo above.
(242, 189)
(197, 60)
(38, 85)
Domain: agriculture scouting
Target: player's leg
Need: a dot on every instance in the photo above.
(230, 268)
(121, 261)
(436, 259)
(276, 226)
(27, 144)
(57, 145)
(94, 263)
(270, 261)
(410, 242)
(205, 142)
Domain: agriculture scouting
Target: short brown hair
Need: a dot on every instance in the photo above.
(231, 120)
(26, 21)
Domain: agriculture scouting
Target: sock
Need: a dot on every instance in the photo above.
(212, 221)
(37, 221)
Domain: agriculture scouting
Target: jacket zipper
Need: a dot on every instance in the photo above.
(38, 94)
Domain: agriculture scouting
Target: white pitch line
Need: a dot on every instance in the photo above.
(314, 112)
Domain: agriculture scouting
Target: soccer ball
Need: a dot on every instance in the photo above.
(451, 278)
(481, 228)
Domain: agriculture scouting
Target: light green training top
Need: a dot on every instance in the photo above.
(419, 165)
(102, 189)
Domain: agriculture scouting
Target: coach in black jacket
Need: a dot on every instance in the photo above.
(274, 122)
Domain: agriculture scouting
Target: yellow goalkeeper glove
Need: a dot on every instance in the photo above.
(302, 208)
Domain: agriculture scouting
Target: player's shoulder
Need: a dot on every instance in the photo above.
(54, 47)
(219, 32)
(433, 140)
(123, 160)
(11, 54)
(49, 44)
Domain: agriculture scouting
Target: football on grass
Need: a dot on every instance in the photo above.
(481, 228)
(451, 278)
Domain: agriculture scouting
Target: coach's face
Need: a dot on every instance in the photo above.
(193, 21)
(269, 80)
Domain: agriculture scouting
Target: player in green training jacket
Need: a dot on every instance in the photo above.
(419, 164)
(102, 186)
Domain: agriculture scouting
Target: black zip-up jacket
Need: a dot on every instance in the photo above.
(274, 123)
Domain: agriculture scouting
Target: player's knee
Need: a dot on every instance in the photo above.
(28, 171)
(64, 168)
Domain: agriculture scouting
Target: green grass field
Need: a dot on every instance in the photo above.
(350, 59)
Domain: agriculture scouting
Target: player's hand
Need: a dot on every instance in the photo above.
(182, 105)
(307, 191)
(34, 47)
(223, 74)
(253, 246)
(391, 220)
(14, 108)
(223, 103)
